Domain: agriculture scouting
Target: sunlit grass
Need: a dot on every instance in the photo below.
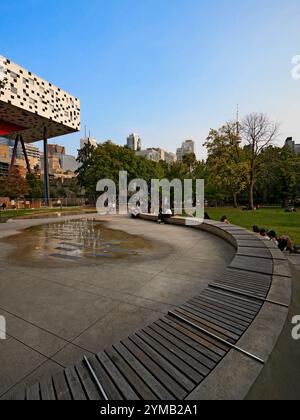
(271, 219)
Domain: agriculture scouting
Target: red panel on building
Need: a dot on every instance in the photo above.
(8, 128)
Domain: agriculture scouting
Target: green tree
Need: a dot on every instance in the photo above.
(36, 186)
(258, 132)
(190, 161)
(15, 186)
(278, 179)
(107, 160)
(227, 166)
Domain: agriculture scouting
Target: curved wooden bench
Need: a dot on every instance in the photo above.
(212, 347)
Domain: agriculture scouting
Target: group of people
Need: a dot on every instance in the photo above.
(283, 242)
(162, 215)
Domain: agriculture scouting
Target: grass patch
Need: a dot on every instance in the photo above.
(271, 219)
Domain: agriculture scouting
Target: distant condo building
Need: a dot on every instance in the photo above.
(295, 147)
(187, 148)
(86, 140)
(157, 154)
(134, 142)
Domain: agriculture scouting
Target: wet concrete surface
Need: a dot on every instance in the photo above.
(59, 309)
(81, 241)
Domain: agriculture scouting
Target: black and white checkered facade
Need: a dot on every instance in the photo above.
(33, 103)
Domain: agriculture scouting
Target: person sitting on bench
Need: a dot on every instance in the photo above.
(163, 216)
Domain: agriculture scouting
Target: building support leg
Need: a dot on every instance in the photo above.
(46, 170)
(25, 154)
(14, 155)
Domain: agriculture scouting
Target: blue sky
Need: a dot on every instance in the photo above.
(167, 69)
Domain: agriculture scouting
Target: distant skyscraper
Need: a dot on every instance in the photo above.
(134, 142)
(292, 145)
(86, 140)
(188, 147)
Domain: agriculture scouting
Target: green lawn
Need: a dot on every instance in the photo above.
(272, 219)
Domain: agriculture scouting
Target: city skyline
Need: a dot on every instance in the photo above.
(196, 81)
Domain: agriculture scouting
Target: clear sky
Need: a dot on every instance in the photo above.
(167, 69)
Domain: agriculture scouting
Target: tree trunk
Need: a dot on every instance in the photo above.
(251, 187)
(235, 200)
(251, 196)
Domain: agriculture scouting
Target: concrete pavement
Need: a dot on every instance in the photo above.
(55, 315)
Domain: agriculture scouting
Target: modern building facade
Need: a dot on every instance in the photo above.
(6, 153)
(59, 162)
(295, 147)
(32, 109)
(188, 147)
(134, 142)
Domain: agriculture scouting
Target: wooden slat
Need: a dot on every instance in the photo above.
(190, 339)
(254, 252)
(89, 386)
(213, 320)
(219, 313)
(243, 301)
(216, 302)
(217, 317)
(252, 289)
(47, 390)
(260, 283)
(167, 381)
(241, 288)
(202, 338)
(216, 299)
(257, 265)
(174, 355)
(124, 387)
(20, 395)
(33, 393)
(182, 349)
(240, 302)
(208, 326)
(237, 290)
(61, 387)
(111, 390)
(140, 387)
(222, 310)
(160, 391)
(247, 277)
(74, 383)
